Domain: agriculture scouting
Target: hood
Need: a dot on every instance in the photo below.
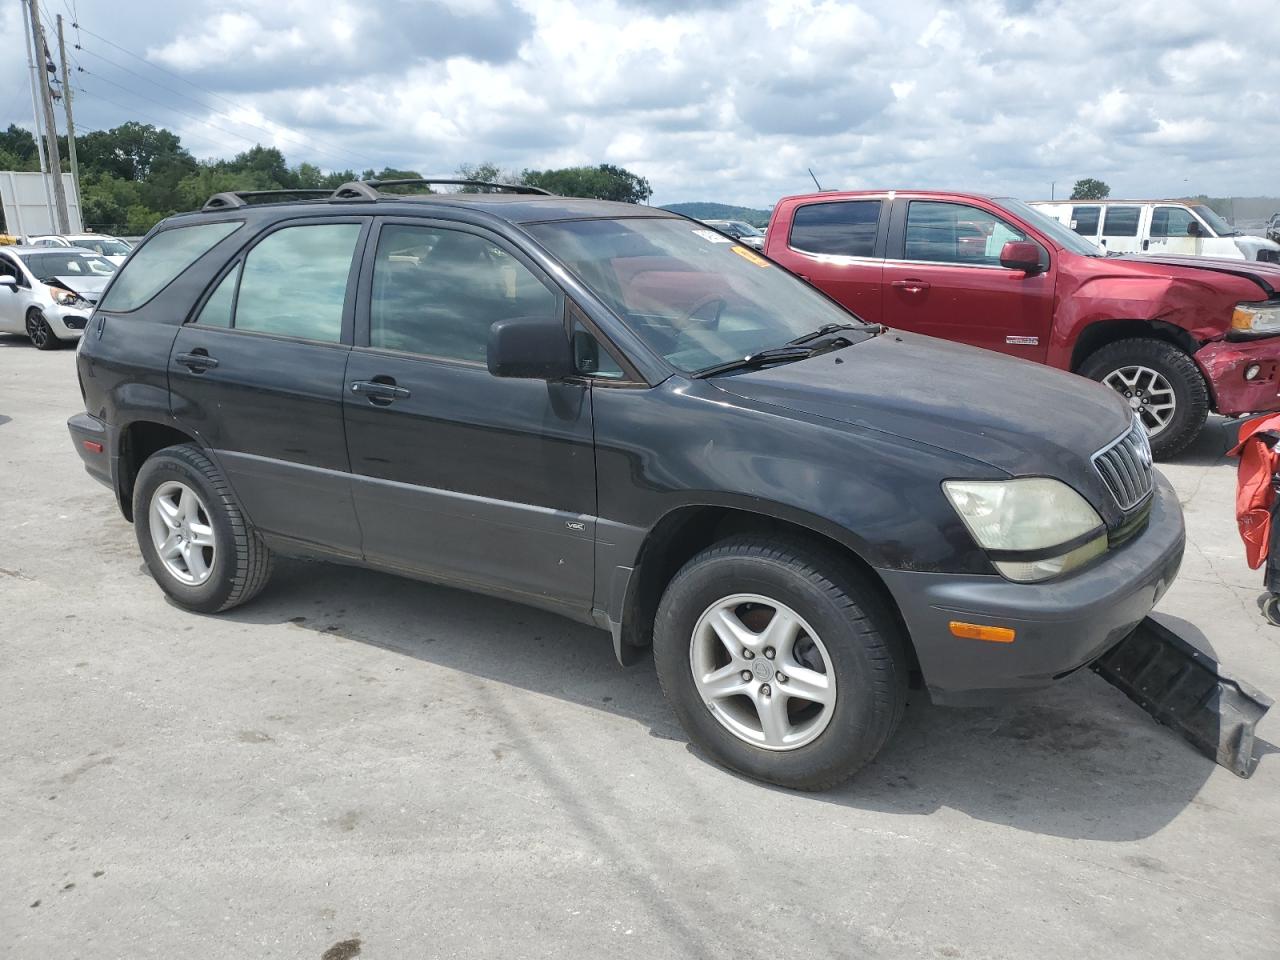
(1265, 275)
(88, 287)
(1015, 415)
(1250, 246)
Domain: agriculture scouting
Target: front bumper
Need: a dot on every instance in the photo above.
(1224, 362)
(67, 323)
(1060, 625)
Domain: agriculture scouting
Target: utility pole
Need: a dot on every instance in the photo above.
(63, 225)
(36, 127)
(71, 124)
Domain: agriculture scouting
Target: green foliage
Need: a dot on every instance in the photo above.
(721, 211)
(604, 182)
(1090, 189)
(134, 175)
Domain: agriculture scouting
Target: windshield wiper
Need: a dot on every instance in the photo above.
(829, 329)
(758, 359)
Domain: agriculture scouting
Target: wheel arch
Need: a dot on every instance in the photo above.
(1102, 333)
(135, 444)
(685, 531)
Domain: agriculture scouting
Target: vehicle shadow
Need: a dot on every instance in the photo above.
(1211, 446)
(1078, 760)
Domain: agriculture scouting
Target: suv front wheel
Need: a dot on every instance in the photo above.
(202, 551)
(779, 661)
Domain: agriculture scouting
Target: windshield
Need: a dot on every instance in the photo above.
(1219, 226)
(46, 265)
(1062, 235)
(695, 297)
(107, 246)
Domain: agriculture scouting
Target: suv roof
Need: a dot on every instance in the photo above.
(519, 204)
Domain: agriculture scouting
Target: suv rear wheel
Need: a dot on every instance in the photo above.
(1162, 385)
(201, 549)
(779, 662)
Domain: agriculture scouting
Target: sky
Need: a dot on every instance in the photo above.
(707, 99)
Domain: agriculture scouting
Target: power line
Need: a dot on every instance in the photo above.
(200, 103)
(313, 143)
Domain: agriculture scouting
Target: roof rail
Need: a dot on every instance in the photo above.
(241, 198)
(370, 189)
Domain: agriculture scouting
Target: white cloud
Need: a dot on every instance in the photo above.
(715, 99)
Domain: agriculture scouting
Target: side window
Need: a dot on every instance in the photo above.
(1121, 222)
(294, 283)
(158, 261)
(216, 311)
(1084, 220)
(436, 292)
(591, 358)
(956, 233)
(9, 269)
(1174, 222)
(846, 228)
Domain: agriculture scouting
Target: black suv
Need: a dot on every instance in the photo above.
(618, 414)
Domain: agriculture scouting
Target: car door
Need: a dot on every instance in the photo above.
(459, 475)
(1122, 228)
(1174, 230)
(15, 297)
(837, 246)
(943, 278)
(259, 372)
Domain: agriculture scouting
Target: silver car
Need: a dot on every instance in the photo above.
(113, 248)
(48, 294)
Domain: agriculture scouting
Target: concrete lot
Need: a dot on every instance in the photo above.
(356, 760)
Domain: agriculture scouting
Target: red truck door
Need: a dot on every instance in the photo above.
(838, 246)
(943, 278)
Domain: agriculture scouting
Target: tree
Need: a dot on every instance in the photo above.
(132, 150)
(18, 147)
(487, 171)
(1090, 189)
(603, 182)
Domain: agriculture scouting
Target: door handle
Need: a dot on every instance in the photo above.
(380, 391)
(911, 286)
(1146, 244)
(197, 361)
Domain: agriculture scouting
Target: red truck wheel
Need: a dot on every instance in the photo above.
(1161, 384)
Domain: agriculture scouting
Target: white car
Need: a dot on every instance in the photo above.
(741, 231)
(48, 294)
(113, 248)
(1159, 227)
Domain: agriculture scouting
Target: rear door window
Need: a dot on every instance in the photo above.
(159, 261)
(294, 282)
(844, 228)
(1084, 220)
(1121, 222)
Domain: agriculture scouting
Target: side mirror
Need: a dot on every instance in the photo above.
(1021, 255)
(530, 348)
(9, 282)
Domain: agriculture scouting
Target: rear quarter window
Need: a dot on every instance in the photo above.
(158, 262)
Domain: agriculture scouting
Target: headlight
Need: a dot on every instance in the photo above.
(1033, 528)
(66, 297)
(1256, 318)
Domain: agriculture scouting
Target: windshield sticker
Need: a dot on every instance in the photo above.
(712, 237)
(750, 256)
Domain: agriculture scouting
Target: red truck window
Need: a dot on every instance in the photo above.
(956, 233)
(844, 228)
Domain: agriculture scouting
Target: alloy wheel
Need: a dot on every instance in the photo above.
(37, 330)
(1149, 394)
(762, 672)
(182, 533)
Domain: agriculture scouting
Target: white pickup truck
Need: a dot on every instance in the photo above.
(1163, 227)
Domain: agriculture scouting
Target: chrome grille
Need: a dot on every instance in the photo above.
(1125, 467)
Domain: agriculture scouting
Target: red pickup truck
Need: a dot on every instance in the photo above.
(1177, 337)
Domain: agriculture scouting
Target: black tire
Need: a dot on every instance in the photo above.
(861, 636)
(40, 333)
(1271, 610)
(1191, 394)
(241, 560)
